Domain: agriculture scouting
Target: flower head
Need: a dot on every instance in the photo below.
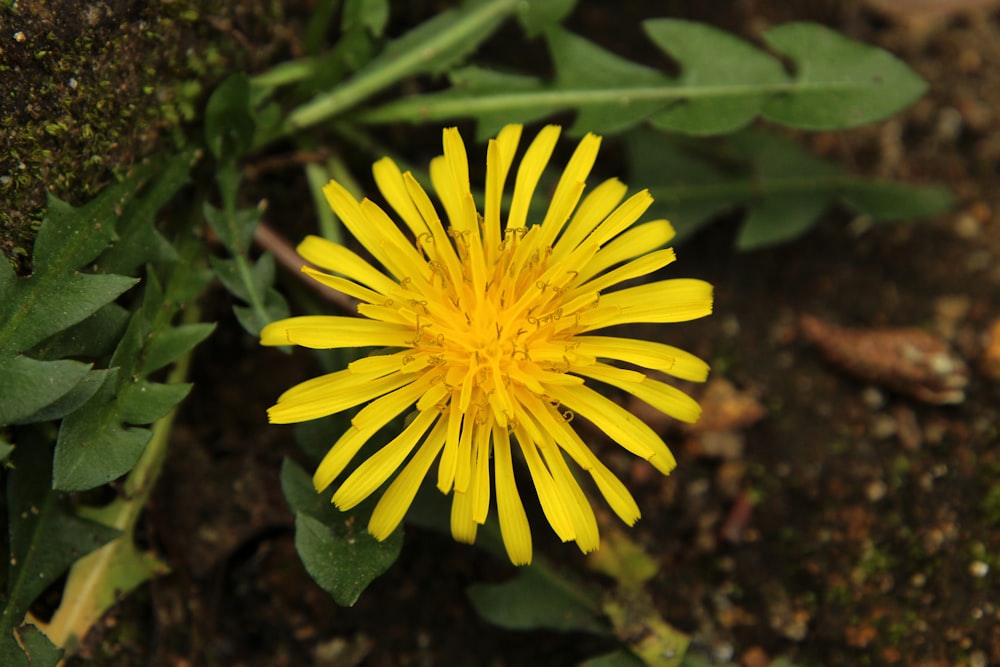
(492, 352)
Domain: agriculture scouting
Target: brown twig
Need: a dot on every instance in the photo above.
(256, 169)
(290, 260)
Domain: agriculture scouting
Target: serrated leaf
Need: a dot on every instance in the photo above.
(71, 237)
(779, 219)
(475, 82)
(144, 402)
(887, 201)
(535, 599)
(334, 546)
(343, 564)
(432, 47)
(93, 337)
(229, 123)
(231, 273)
(724, 84)
(688, 188)
(45, 304)
(27, 646)
(583, 67)
(71, 401)
(140, 242)
(44, 537)
(713, 59)
(234, 230)
(94, 446)
(169, 344)
(370, 14)
(785, 187)
(538, 16)
(28, 385)
(839, 82)
(253, 319)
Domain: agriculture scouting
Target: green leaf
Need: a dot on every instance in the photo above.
(229, 123)
(714, 59)
(169, 344)
(839, 82)
(780, 219)
(724, 84)
(235, 230)
(94, 445)
(58, 304)
(784, 188)
(335, 548)
(140, 241)
(256, 317)
(71, 237)
(93, 337)
(888, 201)
(372, 15)
(71, 400)
(297, 486)
(144, 402)
(255, 281)
(28, 385)
(44, 537)
(432, 47)
(27, 646)
(689, 188)
(535, 598)
(539, 15)
(343, 564)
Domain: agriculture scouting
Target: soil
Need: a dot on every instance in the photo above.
(850, 524)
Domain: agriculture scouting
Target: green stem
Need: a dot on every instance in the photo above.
(389, 71)
(444, 106)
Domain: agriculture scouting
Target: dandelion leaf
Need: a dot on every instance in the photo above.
(336, 549)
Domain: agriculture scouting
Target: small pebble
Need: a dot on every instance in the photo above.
(978, 569)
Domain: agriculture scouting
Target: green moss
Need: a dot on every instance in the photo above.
(88, 93)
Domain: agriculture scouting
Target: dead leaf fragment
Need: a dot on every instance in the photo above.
(907, 360)
(990, 360)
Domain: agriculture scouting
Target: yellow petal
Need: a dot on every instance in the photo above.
(570, 187)
(622, 217)
(338, 259)
(396, 500)
(657, 356)
(531, 168)
(581, 513)
(513, 521)
(635, 242)
(463, 528)
(620, 425)
(390, 183)
(479, 488)
(595, 207)
(642, 266)
(676, 300)
(344, 286)
(665, 398)
(549, 494)
(378, 467)
(328, 332)
(329, 394)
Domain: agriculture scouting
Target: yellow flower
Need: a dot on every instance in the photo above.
(490, 329)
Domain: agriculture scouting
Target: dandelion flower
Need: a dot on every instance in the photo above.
(490, 328)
